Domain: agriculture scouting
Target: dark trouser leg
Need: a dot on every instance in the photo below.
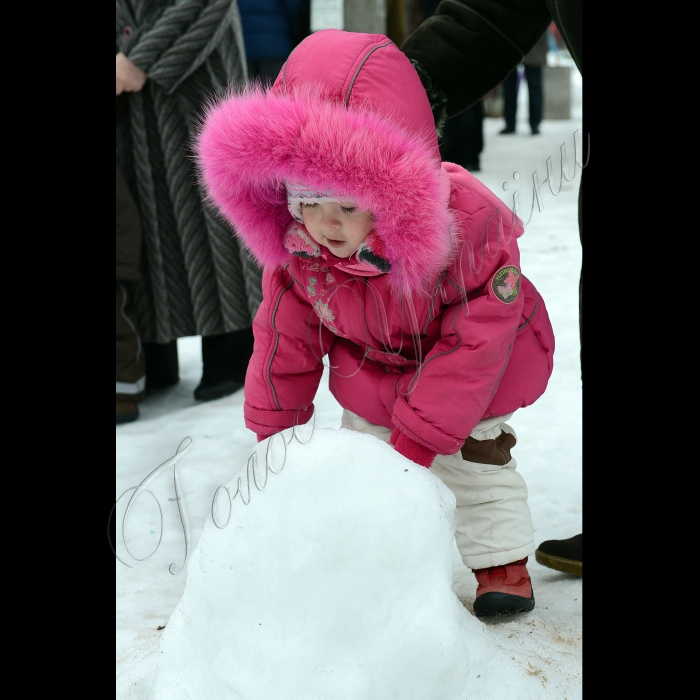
(225, 358)
(451, 134)
(131, 365)
(533, 74)
(474, 133)
(162, 366)
(510, 98)
(452, 142)
(462, 137)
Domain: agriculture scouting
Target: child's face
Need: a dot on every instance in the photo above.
(339, 226)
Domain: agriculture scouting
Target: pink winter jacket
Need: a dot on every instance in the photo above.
(430, 327)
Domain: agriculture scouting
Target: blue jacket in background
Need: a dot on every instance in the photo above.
(268, 27)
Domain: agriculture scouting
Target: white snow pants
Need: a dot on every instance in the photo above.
(494, 524)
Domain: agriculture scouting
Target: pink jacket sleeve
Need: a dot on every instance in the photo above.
(286, 367)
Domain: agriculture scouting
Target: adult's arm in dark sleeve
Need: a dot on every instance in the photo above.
(468, 47)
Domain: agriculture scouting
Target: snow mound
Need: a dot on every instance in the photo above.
(335, 581)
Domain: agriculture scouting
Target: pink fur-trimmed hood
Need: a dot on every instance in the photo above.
(348, 112)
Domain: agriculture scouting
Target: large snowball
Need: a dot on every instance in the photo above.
(334, 582)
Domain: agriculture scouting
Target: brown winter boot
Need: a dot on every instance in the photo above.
(503, 590)
(127, 411)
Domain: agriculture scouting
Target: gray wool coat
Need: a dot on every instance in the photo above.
(195, 280)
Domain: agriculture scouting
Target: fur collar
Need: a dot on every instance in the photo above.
(367, 261)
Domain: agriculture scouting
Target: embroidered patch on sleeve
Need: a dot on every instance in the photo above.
(506, 284)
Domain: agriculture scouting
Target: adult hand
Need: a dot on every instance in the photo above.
(130, 78)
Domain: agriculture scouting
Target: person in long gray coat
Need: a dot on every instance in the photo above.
(172, 55)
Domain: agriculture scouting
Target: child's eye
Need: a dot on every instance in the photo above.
(349, 210)
(309, 205)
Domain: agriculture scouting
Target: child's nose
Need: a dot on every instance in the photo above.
(330, 220)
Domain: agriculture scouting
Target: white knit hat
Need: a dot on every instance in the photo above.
(298, 192)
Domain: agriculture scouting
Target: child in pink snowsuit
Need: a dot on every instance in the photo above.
(403, 270)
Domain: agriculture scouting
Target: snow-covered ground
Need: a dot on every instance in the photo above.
(545, 644)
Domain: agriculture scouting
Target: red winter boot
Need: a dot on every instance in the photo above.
(503, 590)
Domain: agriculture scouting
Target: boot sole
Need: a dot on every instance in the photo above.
(126, 418)
(213, 394)
(568, 566)
(493, 604)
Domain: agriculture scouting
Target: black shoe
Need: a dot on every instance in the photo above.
(535, 130)
(208, 391)
(473, 166)
(507, 130)
(562, 555)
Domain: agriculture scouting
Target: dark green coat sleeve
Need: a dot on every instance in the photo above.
(469, 46)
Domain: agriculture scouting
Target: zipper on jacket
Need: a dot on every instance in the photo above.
(529, 318)
(277, 340)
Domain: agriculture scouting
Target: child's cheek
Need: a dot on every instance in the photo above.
(313, 232)
(309, 221)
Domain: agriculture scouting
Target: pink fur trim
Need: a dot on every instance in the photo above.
(250, 143)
